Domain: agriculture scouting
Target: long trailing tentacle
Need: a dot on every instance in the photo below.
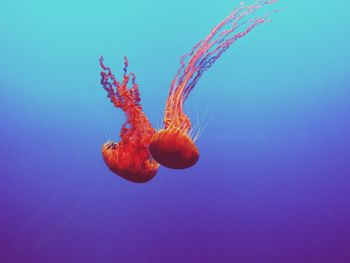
(204, 54)
(219, 40)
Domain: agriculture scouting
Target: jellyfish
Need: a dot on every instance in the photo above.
(172, 146)
(129, 158)
(142, 149)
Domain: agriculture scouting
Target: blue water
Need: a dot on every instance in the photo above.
(272, 183)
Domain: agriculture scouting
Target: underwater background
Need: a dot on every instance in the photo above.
(272, 183)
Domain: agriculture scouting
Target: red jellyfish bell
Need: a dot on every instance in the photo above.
(174, 149)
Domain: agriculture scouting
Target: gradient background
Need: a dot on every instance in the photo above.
(272, 184)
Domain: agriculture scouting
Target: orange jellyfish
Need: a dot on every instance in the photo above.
(141, 149)
(172, 146)
(130, 157)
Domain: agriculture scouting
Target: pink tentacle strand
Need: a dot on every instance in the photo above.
(204, 54)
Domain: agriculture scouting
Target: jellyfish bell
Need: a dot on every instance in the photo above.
(174, 150)
(130, 165)
(172, 146)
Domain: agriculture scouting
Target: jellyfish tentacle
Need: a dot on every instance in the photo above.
(204, 54)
